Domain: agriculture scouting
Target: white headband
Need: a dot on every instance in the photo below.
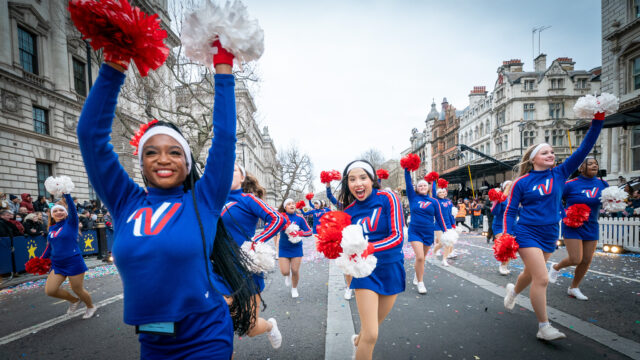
(362, 165)
(287, 201)
(422, 182)
(244, 173)
(441, 190)
(165, 130)
(536, 149)
(56, 206)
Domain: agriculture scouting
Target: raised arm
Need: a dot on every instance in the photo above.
(396, 223)
(272, 219)
(438, 214)
(578, 156)
(109, 179)
(72, 216)
(332, 198)
(411, 193)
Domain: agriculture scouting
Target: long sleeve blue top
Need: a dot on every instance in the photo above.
(539, 192)
(583, 190)
(446, 207)
(498, 216)
(332, 198)
(158, 246)
(381, 217)
(62, 240)
(425, 210)
(241, 213)
(293, 219)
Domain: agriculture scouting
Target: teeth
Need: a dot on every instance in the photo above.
(165, 172)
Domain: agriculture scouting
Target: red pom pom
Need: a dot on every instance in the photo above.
(326, 177)
(442, 183)
(330, 233)
(495, 195)
(505, 247)
(382, 174)
(577, 214)
(300, 204)
(431, 177)
(309, 196)
(336, 175)
(410, 162)
(38, 266)
(124, 32)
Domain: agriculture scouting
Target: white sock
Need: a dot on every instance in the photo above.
(543, 324)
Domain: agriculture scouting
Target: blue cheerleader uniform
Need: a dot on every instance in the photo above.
(287, 249)
(62, 244)
(333, 199)
(158, 248)
(424, 210)
(317, 214)
(588, 191)
(446, 207)
(381, 218)
(240, 216)
(539, 196)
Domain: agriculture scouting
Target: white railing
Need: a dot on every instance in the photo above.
(620, 231)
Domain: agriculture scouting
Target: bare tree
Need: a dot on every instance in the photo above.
(374, 156)
(295, 173)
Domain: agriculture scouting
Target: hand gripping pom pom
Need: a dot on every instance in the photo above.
(309, 196)
(261, 256)
(330, 233)
(353, 240)
(300, 204)
(495, 195)
(505, 248)
(230, 24)
(58, 186)
(442, 183)
(38, 266)
(449, 238)
(292, 232)
(410, 162)
(357, 266)
(382, 174)
(454, 211)
(613, 199)
(431, 177)
(588, 106)
(124, 32)
(577, 214)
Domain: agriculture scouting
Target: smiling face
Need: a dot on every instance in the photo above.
(360, 184)
(442, 194)
(590, 168)
(163, 162)
(544, 159)
(290, 208)
(238, 178)
(58, 214)
(422, 188)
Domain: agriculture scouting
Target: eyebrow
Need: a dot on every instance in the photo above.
(171, 147)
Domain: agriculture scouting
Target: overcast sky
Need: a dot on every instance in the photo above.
(340, 77)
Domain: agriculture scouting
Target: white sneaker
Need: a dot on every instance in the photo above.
(287, 280)
(510, 297)
(576, 293)
(275, 337)
(549, 333)
(415, 279)
(453, 255)
(353, 343)
(504, 270)
(421, 288)
(347, 294)
(88, 313)
(294, 293)
(553, 274)
(73, 307)
(444, 262)
(439, 253)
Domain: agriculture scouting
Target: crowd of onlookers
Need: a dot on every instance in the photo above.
(20, 215)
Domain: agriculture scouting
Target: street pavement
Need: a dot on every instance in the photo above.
(461, 316)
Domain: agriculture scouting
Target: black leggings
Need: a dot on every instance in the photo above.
(461, 222)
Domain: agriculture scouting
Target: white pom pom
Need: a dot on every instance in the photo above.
(59, 185)
(449, 238)
(292, 228)
(454, 211)
(608, 103)
(613, 199)
(586, 106)
(357, 266)
(353, 241)
(230, 24)
(261, 257)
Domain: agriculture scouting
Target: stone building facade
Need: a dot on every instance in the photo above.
(445, 139)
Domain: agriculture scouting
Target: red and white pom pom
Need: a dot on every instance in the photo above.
(495, 195)
(587, 106)
(431, 177)
(336, 175)
(410, 162)
(449, 238)
(123, 31)
(238, 34)
(353, 240)
(613, 199)
(329, 234)
(442, 183)
(382, 174)
(326, 177)
(292, 232)
(261, 256)
(38, 266)
(300, 204)
(309, 196)
(355, 265)
(58, 186)
(505, 248)
(577, 214)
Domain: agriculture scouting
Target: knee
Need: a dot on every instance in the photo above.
(50, 291)
(368, 337)
(542, 280)
(419, 257)
(77, 289)
(574, 260)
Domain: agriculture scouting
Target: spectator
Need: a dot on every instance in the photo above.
(33, 224)
(27, 202)
(635, 199)
(45, 215)
(41, 204)
(22, 213)
(108, 221)
(621, 180)
(14, 204)
(476, 214)
(86, 223)
(4, 202)
(8, 226)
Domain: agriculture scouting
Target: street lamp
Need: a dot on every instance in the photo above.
(521, 126)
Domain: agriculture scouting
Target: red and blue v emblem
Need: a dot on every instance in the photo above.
(544, 189)
(54, 234)
(154, 221)
(370, 224)
(591, 193)
(424, 204)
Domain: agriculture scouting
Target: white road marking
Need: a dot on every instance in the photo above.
(339, 321)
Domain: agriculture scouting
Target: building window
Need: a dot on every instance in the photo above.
(529, 84)
(557, 83)
(635, 73)
(44, 171)
(635, 148)
(79, 82)
(505, 143)
(557, 137)
(487, 149)
(501, 118)
(40, 121)
(581, 83)
(579, 136)
(27, 49)
(529, 111)
(500, 94)
(528, 138)
(556, 110)
(499, 144)
(636, 8)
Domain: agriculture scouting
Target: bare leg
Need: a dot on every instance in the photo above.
(347, 280)
(52, 288)
(77, 285)
(574, 254)
(419, 250)
(261, 325)
(588, 248)
(295, 271)
(535, 261)
(437, 242)
(368, 310)
(385, 304)
(285, 266)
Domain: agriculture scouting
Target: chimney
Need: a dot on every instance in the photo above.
(541, 63)
(513, 65)
(477, 94)
(566, 63)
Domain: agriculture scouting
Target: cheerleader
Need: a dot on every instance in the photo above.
(348, 292)
(163, 247)
(240, 215)
(424, 210)
(581, 241)
(498, 215)
(446, 207)
(317, 210)
(290, 245)
(537, 192)
(66, 258)
(380, 215)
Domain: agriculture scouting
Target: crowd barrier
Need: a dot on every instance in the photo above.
(27, 247)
